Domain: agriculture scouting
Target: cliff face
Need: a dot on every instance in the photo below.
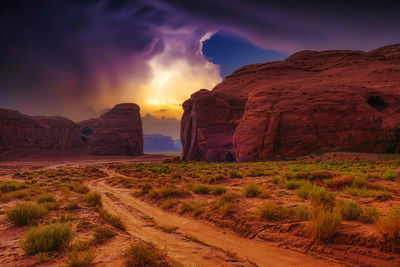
(117, 132)
(18, 130)
(312, 101)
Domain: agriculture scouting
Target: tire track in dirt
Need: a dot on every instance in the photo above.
(192, 253)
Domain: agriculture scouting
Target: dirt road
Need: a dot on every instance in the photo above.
(196, 243)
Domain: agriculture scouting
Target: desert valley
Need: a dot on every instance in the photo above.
(184, 133)
(297, 165)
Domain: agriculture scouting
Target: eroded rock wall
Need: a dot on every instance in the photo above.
(312, 101)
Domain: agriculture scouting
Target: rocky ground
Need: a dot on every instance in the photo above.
(328, 209)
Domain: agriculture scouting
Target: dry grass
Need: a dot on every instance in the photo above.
(369, 215)
(251, 190)
(273, 211)
(25, 213)
(114, 220)
(141, 254)
(93, 199)
(350, 210)
(102, 233)
(323, 224)
(78, 258)
(47, 238)
(389, 226)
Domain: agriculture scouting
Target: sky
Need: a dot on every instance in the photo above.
(78, 58)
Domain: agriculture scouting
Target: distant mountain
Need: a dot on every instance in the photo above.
(164, 126)
(160, 143)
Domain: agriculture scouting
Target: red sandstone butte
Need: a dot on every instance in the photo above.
(313, 101)
(117, 132)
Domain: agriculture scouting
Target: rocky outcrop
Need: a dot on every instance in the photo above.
(158, 143)
(312, 101)
(117, 132)
(19, 131)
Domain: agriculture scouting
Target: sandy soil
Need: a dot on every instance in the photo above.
(213, 241)
(194, 241)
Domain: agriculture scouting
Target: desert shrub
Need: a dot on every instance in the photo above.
(322, 174)
(293, 184)
(349, 209)
(319, 197)
(47, 238)
(390, 174)
(302, 213)
(250, 190)
(273, 211)
(196, 207)
(225, 203)
(309, 175)
(141, 254)
(389, 226)
(385, 194)
(25, 213)
(114, 220)
(316, 194)
(169, 203)
(102, 234)
(78, 187)
(359, 192)
(81, 258)
(185, 206)
(144, 188)
(218, 189)
(225, 198)
(339, 181)
(170, 191)
(275, 180)
(264, 193)
(255, 172)
(227, 208)
(200, 188)
(236, 174)
(50, 205)
(8, 186)
(46, 198)
(304, 190)
(93, 199)
(323, 224)
(215, 178)
(289, 175)
(359, 182)
(369, 215)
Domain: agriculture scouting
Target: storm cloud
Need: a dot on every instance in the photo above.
(78, 57)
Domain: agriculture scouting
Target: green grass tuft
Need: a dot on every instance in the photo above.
(93, 199)
(25, 213)
(47, 238)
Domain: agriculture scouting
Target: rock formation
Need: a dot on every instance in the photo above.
(312, 101)
(117, 132)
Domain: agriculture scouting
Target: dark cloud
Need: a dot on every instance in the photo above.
(76, 57)
(293, 25)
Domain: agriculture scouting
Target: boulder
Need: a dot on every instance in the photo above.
(311, 102)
